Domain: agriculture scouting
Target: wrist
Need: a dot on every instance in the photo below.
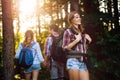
(77, 40)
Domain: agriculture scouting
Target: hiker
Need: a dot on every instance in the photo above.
(32, 71)
(56, 68)
(73, 40)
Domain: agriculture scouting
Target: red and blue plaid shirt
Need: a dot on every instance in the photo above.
(69, 37)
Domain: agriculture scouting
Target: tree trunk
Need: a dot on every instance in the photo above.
(116, 16)
(8, 40)
(38, 18)
(110, 12)
(75, 5)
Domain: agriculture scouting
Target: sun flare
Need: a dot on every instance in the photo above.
(27, 15)
(28, 11)
(27, 6)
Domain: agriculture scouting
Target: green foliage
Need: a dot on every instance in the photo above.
(18, 39)
(41, 39)
(1, 40)
(1, 57)
(108, 58)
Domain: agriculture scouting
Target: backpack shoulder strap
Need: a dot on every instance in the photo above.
(54, 38)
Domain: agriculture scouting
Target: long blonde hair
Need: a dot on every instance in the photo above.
(28, 38)
(70, 18)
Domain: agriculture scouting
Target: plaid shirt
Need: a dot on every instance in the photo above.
(69, 37)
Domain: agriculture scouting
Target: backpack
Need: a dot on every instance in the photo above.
(26, 57)
(57, 52)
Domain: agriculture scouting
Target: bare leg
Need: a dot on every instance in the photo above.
(73, 74)
(84, 75)
(27, 76)
(35, 74)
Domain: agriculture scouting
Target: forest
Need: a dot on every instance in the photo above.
(100, 18)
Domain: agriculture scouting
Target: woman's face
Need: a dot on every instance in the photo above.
(76, 20)
(29, 38)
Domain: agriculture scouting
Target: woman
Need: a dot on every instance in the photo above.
(74, 39)
(34, 69)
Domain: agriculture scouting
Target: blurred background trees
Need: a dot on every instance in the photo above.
(101, 19)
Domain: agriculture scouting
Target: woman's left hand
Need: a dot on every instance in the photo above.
(88, 38)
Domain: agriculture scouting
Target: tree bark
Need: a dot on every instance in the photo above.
(110, 11)
(116, 16)
(75, 5)
(8, 40)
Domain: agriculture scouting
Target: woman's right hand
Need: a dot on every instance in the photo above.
(78, 37)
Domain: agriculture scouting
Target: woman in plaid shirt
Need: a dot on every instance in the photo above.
(73, 40)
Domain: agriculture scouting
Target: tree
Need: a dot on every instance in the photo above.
(116, 14)
(8, 39)
(75, 5)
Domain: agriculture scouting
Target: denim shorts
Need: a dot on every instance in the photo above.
(33, 67)
(74, 63)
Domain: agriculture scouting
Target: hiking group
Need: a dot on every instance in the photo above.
(65, 52)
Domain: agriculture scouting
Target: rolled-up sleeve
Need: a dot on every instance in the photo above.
(47, 46)
(40, 56)
(66, 40)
